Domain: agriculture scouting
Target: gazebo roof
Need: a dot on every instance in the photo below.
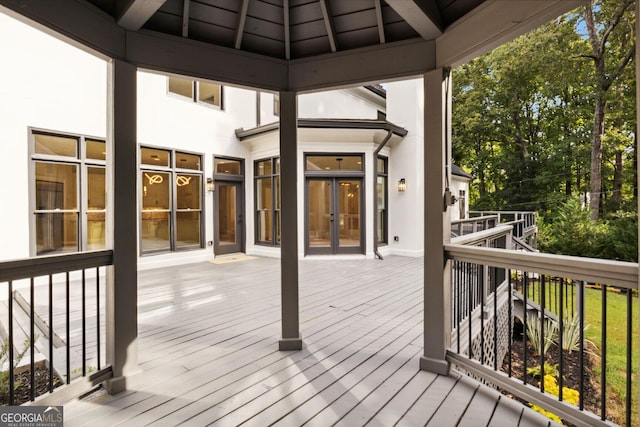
(298, 45)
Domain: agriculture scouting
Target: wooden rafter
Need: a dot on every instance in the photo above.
(380, 21)
(242, 17)
(287, 35)
(135, 13)
(415, 16)
(328, 23)
(185, 18)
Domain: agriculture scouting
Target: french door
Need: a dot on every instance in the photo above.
(228, 214)
(334, 216)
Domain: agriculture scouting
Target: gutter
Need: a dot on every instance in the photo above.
(375, 193)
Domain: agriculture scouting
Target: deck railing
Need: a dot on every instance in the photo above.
(463, 227)
(555, 292)
(54, 315)
(524, 222)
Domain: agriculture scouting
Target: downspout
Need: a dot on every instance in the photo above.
(375, 193)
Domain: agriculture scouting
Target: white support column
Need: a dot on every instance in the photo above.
(122, 277)
(291, 338)
(437, 221)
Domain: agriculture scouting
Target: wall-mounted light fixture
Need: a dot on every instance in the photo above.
(210, 184)
(402, 185)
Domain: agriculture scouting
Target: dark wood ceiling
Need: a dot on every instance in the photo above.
(291, 29)
(294, 45)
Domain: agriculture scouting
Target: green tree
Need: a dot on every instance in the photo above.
(610, 32)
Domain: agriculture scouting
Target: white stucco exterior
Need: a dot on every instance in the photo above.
(51, 86)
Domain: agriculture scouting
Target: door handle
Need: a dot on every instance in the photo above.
(331, 217)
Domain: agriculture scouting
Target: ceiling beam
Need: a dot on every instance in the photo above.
(185, 18)
(78, 23)
(242, 17)
(176, 55)
(494, 23)
(132, 14)
(424, 22)
(361, 66)
(380, 21)
(328, 24)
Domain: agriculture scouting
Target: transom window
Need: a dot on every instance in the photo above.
(69, 202)
(267, 193)
(171, 217)
(322, 162)
(197, 91)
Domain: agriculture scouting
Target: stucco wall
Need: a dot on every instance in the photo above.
(46, 84)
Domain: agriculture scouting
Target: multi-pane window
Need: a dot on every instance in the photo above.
(197, 91)
(69, 202)
(267, 191)
(171, 217)
(381, 196)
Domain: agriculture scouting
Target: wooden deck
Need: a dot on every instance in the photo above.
(208, 351)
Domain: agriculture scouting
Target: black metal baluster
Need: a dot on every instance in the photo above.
(482, 293)
(524, 328)
(495, 327)
(510, 322)
(470, 308)
(543, 318)
(581, 355)
(629, 344)
(32, 330)
(50, 333)
(603, 359)
(84, 326)
(561, 330)
(98, 314)
(68, 332)
(12, 386)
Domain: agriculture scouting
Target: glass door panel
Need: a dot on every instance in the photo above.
(228, 211)
(227, 214)
(348, 196)
(320, 213)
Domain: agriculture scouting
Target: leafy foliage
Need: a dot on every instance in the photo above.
(534, 332)
(549, 369)
(571, 333)
(525, 125)
(4, 355)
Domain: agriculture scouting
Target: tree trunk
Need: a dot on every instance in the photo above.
(616, 197)
(596, 157)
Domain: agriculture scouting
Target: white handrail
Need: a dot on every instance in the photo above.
(616, 273)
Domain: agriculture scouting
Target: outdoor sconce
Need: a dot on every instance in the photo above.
(402, 185)
(210, 184)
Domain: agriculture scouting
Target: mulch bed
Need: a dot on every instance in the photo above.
(570, 373)
(22, 393)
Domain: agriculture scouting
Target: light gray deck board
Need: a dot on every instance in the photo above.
(208, 349)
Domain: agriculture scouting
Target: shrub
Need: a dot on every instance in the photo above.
(534, 333)
(571, 333)
(549, 369)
